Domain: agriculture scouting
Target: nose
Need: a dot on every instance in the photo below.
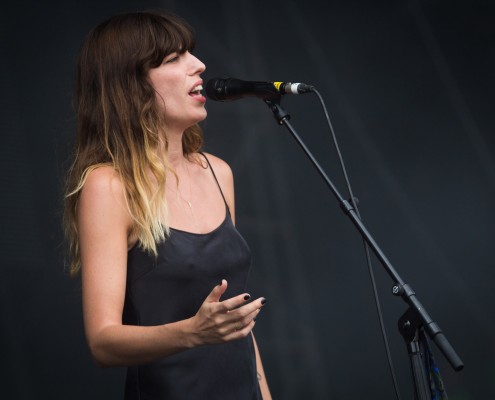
(197, 66)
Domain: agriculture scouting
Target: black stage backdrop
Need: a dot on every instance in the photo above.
(409, 85)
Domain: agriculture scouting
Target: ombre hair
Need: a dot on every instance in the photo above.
(119, 122)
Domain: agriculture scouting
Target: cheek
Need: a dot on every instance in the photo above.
(170, 104)
(165, 95)
(159, 82)
(168, 93)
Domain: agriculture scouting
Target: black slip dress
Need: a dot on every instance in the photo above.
(172, 287)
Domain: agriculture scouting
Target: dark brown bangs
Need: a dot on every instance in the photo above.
(171, 34)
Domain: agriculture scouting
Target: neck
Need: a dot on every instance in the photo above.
(175, 152)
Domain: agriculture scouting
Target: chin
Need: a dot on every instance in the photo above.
(202, 117)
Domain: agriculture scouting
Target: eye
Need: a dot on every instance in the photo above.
(174, 57)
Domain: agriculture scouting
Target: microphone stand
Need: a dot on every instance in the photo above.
(415, 319)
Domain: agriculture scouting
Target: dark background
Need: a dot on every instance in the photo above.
(409, 86)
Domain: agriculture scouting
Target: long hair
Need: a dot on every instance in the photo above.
(119, 122)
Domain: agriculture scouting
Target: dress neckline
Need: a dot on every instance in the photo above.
(224, 221)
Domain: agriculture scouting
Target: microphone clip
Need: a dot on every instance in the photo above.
(278, 111)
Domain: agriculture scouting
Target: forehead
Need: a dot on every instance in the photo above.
(170, 34)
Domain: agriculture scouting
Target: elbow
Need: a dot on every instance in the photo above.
(100, 355)
(101, 362)
(103, 347)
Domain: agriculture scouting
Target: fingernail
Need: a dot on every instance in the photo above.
(263, 300)
(247, 297)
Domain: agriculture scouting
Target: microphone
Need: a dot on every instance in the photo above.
(227, 89)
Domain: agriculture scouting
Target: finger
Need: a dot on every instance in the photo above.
(241, 309)
(217, 292)
(241, 331)
(236, 302)
(240, 323)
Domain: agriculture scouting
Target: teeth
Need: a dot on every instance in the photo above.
(197, 89)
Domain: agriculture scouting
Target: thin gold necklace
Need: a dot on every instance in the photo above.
(179, 192)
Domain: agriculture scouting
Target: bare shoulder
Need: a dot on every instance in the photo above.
(103, 181)
(221, 168)
(223, 172)
(103, 192)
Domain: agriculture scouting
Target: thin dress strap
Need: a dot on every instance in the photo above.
(216, 180)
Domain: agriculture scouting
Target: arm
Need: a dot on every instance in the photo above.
(104, 226)
(265, 391)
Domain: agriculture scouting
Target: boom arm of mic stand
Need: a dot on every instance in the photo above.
(401, 288)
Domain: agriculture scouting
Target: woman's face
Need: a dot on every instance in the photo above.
(178, 86)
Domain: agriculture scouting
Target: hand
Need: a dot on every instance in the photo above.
(222, 321)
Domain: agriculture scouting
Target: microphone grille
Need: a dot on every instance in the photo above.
(215, 89)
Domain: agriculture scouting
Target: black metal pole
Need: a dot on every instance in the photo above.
(400, 287)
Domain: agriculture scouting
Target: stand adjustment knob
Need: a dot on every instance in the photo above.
(397, 290)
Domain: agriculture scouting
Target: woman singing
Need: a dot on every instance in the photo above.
(150, 220)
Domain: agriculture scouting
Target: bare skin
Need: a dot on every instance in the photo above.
(105, 227)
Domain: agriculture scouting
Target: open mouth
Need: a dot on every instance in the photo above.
(196, 90)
